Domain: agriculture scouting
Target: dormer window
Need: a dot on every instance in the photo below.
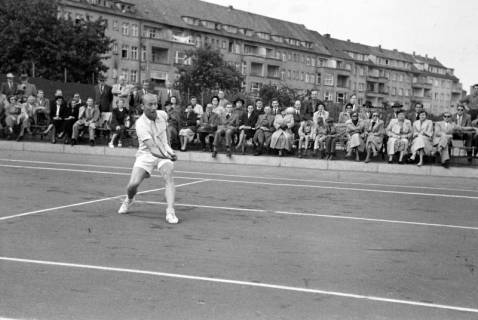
(230, 29)
(208, 24)
(277, 38)
(263, 35)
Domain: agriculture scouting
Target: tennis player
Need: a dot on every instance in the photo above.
(153, 152)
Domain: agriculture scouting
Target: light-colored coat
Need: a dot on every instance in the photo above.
(422, 135)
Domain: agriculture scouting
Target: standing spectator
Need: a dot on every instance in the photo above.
(103, 95)
(247, 125)
(207, 127)
(264, 128)
(283, 137)
(14, 117)
(462, 131)
(121, 90)
(443, 136)
(26, 87)
(119, 119)
(239, 105)
(172, 130)
(375, 131)
(415, 115)
(353, 102)
(216, 108)
(399, 131)
(227, 126)
(298, 117)
(344, 116)
(87, 117)
(197, 108)
(188, 127)
(422, 135)
(42, 107)
(307, 132)
(259, 109)
(396, 109)
(365, 113)
(222, 100)
(9, 88)
(276, 109)
(355, 133)
(134, 97)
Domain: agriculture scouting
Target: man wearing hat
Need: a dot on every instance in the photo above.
(26, 87)
(59, 113)
(397, 107)
(9, 88)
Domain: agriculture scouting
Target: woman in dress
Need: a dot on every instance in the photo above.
(422, 137)
(355, 132)
(399, 131)
(283, 138)
(188, 126)
(375, 131)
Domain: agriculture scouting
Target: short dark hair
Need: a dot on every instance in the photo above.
(193, 97)
(215, 97)
(274, 99)
(423, 111)
(349, 105)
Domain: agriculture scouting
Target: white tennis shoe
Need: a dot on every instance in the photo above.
(125, 206)
(171, 216)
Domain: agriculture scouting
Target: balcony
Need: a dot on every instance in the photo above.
(421, 83)
(376, 94)
(377, 79)
(456, 89)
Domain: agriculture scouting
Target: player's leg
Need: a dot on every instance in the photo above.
(166, 168)
(137, 176)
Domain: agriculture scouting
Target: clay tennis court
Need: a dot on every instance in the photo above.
(252, 243)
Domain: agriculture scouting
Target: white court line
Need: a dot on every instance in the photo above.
(256, 177)
(329, 216)
(267, 183)
(243, 283)
(89, 202)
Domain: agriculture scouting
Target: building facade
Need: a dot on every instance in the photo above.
(151, 38)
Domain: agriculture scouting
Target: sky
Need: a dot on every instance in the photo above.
(445, 29)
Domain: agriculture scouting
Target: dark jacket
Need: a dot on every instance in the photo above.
(104, 98)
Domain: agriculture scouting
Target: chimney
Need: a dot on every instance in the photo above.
(327, 35)
(426, 55)
(348, 40)
(380, 46)
(395, 50)
(230, 8)
(413, 53)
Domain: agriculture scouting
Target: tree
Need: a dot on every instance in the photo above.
(207, 71)
(284, 94)
(33, 36)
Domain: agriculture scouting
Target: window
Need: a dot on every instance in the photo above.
(394, 91)
(435, 82)
(318, 79)
(284, 57)
(307, 77)
(263, 35)
(181, 58)
(327, 96)
(208, 24)
(115, 25)
(125, 29)
(244, 67)
(134, 30)
(115, 47)
(394, 76)
(124, 51)
(312, 61)
(400, 92)
(307, 61)
(143, 53)
(302, 76)
(341, 97)
(400, 77)
(124, 73)
(329, 79)
(223, 44)
(289, 75)
(361, 87)
(312, 78)
(133, 76)
(256, 87)
(134, 53)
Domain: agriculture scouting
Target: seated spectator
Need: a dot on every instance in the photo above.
(283, 138)
(239, 105)
(227, 126)
(87, 118)
(216, 108)
(14, 118)
(119, 119)
(374, 131)
(74, 107)
(422, 137)
(173, 124)
(59, 111)
(320, 137)
(307, 132)
(197, 108)
(27, 116)
(399, 131)
(474, 125)
(321, 113)
(442, 138)
(464, 130)
(344, 116)
(247, 125)
(207, 127)
(355, 133)
(264, 128)
(188, 127)
(175, 105)
(3, 107)
(42, 108)
(330, 139)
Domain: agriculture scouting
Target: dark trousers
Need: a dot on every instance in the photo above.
(202, 138)
(330, 143)
(467, 137)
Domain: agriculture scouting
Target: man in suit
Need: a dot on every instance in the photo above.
(9, 88)
(88, 116)
(301, 113)
(208, 126)
(59, 113)
(264, 128)
(103, 95)
(463, 129)
(228, 123)
(259, 109)
(415, 115)
(26, 87)
(442, 137)
(275, 107)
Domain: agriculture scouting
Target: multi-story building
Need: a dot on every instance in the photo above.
(151, 38)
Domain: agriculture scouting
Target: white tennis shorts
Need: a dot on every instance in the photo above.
(148, 162)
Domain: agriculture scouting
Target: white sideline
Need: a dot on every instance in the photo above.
(248, 176)
(329, 216)
(243, 283)
(443, 195)
(89, 202)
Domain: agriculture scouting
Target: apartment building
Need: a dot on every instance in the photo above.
(152, 36)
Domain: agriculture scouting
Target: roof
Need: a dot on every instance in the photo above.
(170, 12)
(431, 61)
(333, 46)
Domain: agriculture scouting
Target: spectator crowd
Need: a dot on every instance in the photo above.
(304, 129)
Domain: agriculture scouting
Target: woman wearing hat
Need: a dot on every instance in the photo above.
(399, 131)
(375, 131)
(355, 132)
(283, 138)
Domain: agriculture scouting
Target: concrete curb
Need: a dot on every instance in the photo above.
(287, 162)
